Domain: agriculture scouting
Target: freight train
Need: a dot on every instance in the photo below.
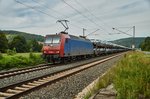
(64, 47)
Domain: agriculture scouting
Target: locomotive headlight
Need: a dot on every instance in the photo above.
(57, 51)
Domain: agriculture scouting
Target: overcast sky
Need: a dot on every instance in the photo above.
(40, 16)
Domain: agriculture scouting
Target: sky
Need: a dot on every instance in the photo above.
(98, 17)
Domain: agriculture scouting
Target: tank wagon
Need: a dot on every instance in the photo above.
(63, 47)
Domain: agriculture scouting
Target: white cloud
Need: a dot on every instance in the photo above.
(107, 14)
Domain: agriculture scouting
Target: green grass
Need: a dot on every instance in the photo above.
(20, 60)
(21, 54)
(131, 77)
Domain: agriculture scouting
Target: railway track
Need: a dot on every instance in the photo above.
(23, 71)
(22, 88)
(26, 70)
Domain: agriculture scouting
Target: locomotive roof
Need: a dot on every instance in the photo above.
(78, 38)
(72, 37)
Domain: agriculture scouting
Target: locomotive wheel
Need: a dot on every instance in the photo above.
(48, 59)
(53, 61)
(64, 60)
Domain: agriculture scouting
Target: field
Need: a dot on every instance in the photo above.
(130, 76)
(20, 60)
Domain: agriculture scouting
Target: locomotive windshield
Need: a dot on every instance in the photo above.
(52, 39)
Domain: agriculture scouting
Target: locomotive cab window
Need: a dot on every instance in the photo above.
(48, 40)
(52, 40)
(56, 39)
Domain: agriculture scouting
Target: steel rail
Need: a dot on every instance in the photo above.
(23, 71)
(27, 70)
(19, 89)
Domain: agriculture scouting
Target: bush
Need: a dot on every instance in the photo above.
(15, 61)
(11, 52)
(14, 50)
(1, 55)
(31, 55)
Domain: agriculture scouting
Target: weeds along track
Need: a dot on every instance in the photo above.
(22, 88)
(25, 70)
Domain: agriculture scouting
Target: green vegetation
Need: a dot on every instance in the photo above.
(128, 41)
(3, 42)
(19, 60)
(18, 44)
(145, 45)
(11, 52)
(34, 46)
(11, 34)
(130, 76)
(1, 55)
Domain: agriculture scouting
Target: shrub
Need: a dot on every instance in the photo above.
(16, 61)
(31, 55)
(14, 50)
(1, 55)
(11, 52)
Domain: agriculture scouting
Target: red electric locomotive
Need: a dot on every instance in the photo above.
(63, 47)
(53, 47)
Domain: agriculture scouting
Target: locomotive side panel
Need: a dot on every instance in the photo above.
(75, 47)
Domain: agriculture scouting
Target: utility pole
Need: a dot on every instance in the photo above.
(84, 32)
(133, 46)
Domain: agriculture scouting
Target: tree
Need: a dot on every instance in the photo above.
(34, 45)
(3, 42)
(19, 43)
(145, 45)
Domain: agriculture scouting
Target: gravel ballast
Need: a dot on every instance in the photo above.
(71, 86)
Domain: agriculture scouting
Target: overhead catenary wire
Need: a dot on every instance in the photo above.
(52, 16)
(56, 18)
(57, 13)
(85, 16)
(50, 9)
(129, 29)
(36, 9)
(99, 19)
(122, 31)
(79, 12)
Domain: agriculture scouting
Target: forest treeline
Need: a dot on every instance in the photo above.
(11, 33)
(18, 44)
(145, 45)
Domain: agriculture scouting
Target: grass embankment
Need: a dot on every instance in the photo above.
(130, 76)
(19, 60)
